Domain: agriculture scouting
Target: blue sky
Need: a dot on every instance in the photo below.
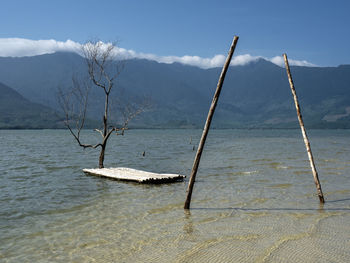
(315, 31)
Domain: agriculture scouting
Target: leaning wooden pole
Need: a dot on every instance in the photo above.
(303, 131)
(207, 124)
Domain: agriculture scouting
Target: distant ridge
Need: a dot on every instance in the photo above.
(16, 112)
(256, 95)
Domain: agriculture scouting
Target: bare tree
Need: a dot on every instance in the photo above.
(103, 69)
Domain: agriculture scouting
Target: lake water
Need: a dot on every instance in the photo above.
(254, 199)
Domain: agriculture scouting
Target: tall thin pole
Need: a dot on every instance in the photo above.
(303, 131)
(208, 122)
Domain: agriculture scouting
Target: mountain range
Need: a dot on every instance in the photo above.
(17, 112)
(256, 95)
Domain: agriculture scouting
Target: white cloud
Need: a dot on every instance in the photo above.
(278, 60)
(19, 47)
(242, 60)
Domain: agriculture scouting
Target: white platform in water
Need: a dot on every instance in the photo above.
(128, 174)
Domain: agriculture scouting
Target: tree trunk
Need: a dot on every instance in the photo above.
(102, 156)
(105, 131)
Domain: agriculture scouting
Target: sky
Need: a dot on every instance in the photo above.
(193, 32)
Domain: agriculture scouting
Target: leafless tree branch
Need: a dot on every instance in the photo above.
(103, 69)
(74, 105)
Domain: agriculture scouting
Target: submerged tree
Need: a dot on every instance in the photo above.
(103, 68)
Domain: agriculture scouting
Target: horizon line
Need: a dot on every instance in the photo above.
(21, 47)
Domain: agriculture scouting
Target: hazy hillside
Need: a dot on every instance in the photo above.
(254, 95)
(18, 112)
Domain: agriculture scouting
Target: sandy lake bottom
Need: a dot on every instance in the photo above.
(254, 199)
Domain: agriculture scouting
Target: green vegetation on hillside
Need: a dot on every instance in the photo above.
(256, 95)
(16, 112)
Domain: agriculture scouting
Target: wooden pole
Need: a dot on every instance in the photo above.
(207, 123)
(303, 131)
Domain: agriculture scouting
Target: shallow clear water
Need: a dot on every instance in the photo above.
(254, 199)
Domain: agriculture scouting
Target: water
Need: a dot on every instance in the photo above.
(254, 199)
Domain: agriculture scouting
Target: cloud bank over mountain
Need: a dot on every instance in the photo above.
(20, 47)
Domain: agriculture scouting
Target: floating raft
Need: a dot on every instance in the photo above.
(128, 174)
